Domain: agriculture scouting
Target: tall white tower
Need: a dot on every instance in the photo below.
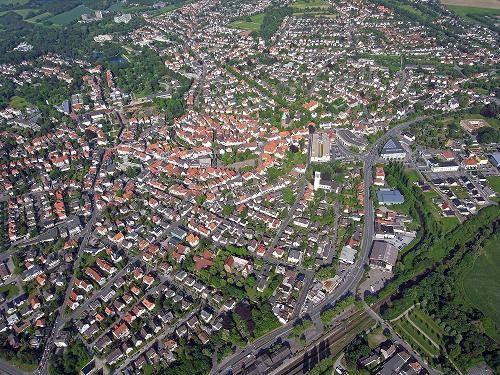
(317, 178)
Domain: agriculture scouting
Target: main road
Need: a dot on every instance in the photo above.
(352, 279)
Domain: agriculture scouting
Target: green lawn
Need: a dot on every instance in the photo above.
(251, 23)
(413, 175)
(460, 192)
(494, 182)
(71, 15)
(375, 338)
(481, 284)
(11, 289)
(304, 4)
(18, 102)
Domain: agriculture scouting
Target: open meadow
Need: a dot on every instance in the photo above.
(478, 4)
(481, 284)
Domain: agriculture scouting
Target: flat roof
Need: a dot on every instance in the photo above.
(390, 196)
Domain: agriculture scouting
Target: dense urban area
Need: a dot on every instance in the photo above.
(249, 187)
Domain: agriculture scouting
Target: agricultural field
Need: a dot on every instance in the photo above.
(473, 5)
(251, 23)
(70, 16)
(481, 284)
(483, 12)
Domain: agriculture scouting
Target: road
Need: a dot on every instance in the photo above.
(60, 320)
(352, 278)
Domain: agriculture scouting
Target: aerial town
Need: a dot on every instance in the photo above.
(249, 187)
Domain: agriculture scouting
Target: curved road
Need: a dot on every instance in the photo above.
(352, 279)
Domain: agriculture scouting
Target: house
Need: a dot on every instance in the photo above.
(294, 256)
(379, 176)
(347, 255)
(4, 272)
(442, 166)
(121, 330)
(62, 340)
(114, 356)
(469, 163)
(235, 264)
(383, 256)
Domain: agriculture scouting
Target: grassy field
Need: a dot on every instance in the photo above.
(304, 4)
(21, 12)
(16, 2)
(71, 15)
(473, 4)
(11, 289)
(494, 182)
(18, 102)
(412, 10)
(447, 223)
(481, 284)
(460, 192)
(39, 18)
(464, 11)
(375, 338)
(252, 23)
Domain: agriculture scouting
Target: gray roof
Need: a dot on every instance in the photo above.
(384, 252)
(390, 196)
(392, 147)
(495, 158)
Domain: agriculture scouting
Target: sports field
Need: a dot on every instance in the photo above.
(481, 284)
